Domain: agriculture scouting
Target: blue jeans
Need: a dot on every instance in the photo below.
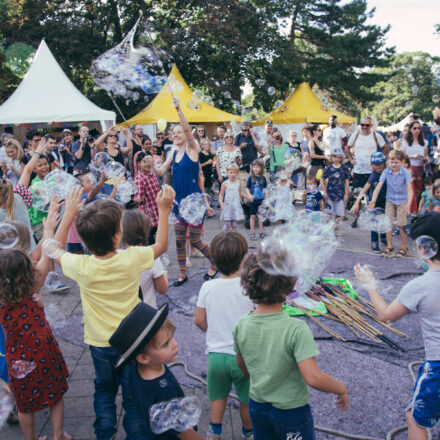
(375, 237)
(270, 423)
(107, 381)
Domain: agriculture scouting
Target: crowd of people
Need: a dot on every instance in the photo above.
(113, 251)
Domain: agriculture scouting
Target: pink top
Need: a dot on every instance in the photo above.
(73, 236)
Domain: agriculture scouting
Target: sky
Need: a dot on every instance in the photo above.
(412, 23)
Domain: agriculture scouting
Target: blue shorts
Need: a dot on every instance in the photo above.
(254, 206)
(73, 248)
(425, 401)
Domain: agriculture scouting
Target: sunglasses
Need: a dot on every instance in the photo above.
(229, 137)
(245, 129)
(416, 128)
(112, 135)
(366, 125)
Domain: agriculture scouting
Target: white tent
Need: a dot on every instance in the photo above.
(400, 125)
(46, 95)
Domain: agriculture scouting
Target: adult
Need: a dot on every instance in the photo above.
(65, 149)
(200, 133)
(158, 148)
(318, 159)
(299, 175)
(334, 137)
(137, 138)
(363, 144)
(113, 148)
(5, 137)
(265, 138)
(248, 144)
(10, 164)
(306, 138)
(402, 142)
(226, 155)
(186, 170)
(417, 151)
(33, 138)
(276, 152)
(83, 151)
(215, 145)
(52, 152)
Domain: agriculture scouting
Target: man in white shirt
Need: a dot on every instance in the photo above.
(334, 137)
(363, 144)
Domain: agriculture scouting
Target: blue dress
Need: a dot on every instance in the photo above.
(185, 178)
(3, 366)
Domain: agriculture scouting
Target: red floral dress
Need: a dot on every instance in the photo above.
(36, 367)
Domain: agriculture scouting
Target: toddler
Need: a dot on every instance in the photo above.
(255, 186)
(284, 209)
(312, 197)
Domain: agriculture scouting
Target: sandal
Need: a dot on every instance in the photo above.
(262, 235)
(402, 252)
(388, 252)
(252, 237)
(208, 277)
(180, 281)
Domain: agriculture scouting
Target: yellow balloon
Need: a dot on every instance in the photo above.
(319, 174)
(161, 124)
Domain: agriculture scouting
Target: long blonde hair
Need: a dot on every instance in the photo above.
(14, 143)
(7, 198)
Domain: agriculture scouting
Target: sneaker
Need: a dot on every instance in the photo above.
(60, 288)
(243, 437)
(211, 436)
(13, 416)
(338, 232)
(396, 231)
(188, 263)
(53, 283)
(375, 247)
(355, 224)
(252, 237)
(262, 235)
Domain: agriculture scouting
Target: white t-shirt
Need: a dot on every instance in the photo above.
(332, 138)
(146, 280)
(422, 295)
(225, 303)
(363, 149)
(416, 149)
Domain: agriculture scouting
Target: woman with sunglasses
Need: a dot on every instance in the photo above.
(417, 151)
(200, 133)
(113, 149)
(226, 155)
(316, 149)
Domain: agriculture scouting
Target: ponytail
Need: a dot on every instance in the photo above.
(7, 198)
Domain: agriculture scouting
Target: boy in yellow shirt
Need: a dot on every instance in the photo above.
(109, 285)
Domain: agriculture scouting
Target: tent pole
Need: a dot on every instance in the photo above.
(118, 109)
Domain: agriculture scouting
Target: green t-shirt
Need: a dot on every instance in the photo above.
(36, 216)
(277, 156)
(272, 345)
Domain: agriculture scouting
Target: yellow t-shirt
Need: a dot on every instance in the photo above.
(109, 288)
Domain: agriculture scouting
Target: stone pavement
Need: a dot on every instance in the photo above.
(79, 413)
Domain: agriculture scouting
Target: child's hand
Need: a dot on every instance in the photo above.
(50, 223)
(355, 208)
(165, 197)
(326, 197)
(371, 204)
(103, 178)
(176, 102)
(342, 400)
(41, 146)
(408, 209)
(54, 204)
(209, 211)
(252, 198)
(365, 277)
(73, 202)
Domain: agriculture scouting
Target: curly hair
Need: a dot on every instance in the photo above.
(261, 287)
(18, 276)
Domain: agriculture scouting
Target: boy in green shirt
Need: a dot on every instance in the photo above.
(278, 353)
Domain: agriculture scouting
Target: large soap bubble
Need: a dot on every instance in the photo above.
(114, 169)
(52, 248)
(271, 91)
(177, 414)
(426, 247)
(8, 236)
(100, 160)
(124, 192)
(292, 160)
(375, 220)
(6, 402)
(40, 195)
(193, 208)
(60, 183)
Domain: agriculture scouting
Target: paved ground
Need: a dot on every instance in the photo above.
(79, 401)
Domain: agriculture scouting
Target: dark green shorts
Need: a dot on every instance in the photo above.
(223, 371)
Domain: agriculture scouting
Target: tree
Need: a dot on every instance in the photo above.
(411, 87)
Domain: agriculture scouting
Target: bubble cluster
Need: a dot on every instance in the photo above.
(6, 402)
(300, 248)
(60, 183)
(40, 196)
(277, 204)
(365, 277)
(100, 160)
(293, 160)
(124, 192)
(8, 235)
(114, 169)
(375, 220)
(52, 248)
(178, 414)
(52, 280)
(21, 369)
(426, 247)
(193, 208)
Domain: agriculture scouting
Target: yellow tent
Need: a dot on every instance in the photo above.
(161, 107)
(303, 106)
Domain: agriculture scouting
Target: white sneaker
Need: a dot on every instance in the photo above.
(211, 436)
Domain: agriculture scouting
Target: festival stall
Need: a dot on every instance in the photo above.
(46, 96)
(161, 107)
(302, 106)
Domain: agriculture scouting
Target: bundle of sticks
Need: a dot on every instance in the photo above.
(342, 308)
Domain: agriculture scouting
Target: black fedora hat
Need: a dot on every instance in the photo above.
(135, 330)
(427, 224)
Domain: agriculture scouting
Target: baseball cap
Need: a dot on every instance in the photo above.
(269, 122)
(427, 224)
(377, 158)
(66, 130)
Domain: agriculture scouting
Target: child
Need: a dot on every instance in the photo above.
(284, 210)
(255, 186)
(147, 336)
(135, 232)
(422, 296)
(206, 159)
(278, 353)
(229, 198)
(215, 316)
(109, 287)
(146, 190)
(434, 203)
(335, 186)
(413, 208)
(398, 198)
(426, 196)
(312, 197)
(378, 163)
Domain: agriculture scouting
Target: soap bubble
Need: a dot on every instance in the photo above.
(375, 220)
(260, 82)
(52, 248)
(40, 195)
(292, 159)
(193, 105)
(409, 104)
(124, 192)
(21, 369)
(227, 95)
(415, 90)
(8, 236)
(436, 98)
(100, 160)
(174, 85)
(365, 277)
(6, 402)
(114, 169)
(235, 126)
(52, 281)
(278, 104)
(179, 414)
(60, 183)
(271, 91)
(426, 247)
(192, 208)
(198, 96)
(172, 219)
(54, 316)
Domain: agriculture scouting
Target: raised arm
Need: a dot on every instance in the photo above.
(192, 144)
(129, 147)
(30, 166)
(102, 138)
